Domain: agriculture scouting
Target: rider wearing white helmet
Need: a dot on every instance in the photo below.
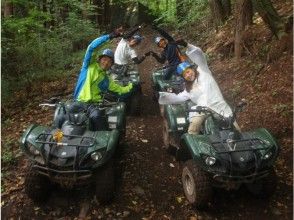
(125, 52)
(170, 52)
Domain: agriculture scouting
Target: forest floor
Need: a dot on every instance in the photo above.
(150, 186)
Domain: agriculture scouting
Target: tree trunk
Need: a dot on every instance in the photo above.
(107, 14)
(8, 9)
(227, 7)
(270, 16)
(217, 12)
(84, 11)
(242, 15)
(64, 11)
(248, 13)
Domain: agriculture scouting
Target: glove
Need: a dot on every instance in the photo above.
(148, 53)
(181, 42)
(116, 33)
(130, 86)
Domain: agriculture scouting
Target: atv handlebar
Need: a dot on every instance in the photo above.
(48, 104)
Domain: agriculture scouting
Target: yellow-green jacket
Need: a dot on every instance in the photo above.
(93, 80)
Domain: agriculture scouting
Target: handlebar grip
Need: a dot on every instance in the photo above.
(48, 104)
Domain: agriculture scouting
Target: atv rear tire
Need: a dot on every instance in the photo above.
(37, 186)
(264, 187)
(196, 184)
(104, 180)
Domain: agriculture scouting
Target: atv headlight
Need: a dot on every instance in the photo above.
(210, 161)
(267, 155)
(32, 149)
(96, 156)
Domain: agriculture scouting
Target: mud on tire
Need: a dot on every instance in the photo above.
(105, 182)
(37, 186)
(196, 184)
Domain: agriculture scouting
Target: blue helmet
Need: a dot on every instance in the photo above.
(138, 38)
(182, 67)
(107, 52)
(157, 39)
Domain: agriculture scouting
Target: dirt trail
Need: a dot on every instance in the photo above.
(149, 184)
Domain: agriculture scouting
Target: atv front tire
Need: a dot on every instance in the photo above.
(165, 134)
(264, 187)
(105, 185)
(196, 184)
(37, 186)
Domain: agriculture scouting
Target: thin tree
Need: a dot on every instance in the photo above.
(8, 8)
(227, 7)
(217, 12)
(243, 15)
(270, 16)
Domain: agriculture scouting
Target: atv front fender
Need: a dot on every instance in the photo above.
(176, 117)
(111, 138)
(30, 135)
(197, 146)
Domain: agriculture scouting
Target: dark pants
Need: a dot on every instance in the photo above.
(169, 71)
(97, 117)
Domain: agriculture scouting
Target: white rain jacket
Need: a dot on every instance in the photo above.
(204, 92)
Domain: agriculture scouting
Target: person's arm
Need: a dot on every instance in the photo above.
(196, 55)
(166, 98)
(164, 34)
(137, 60)
(113, 87)
(181, 42)
(140, 60)
(92, 46)
(131, 32)
(160, 58)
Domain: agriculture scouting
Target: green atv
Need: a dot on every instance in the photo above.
(220, 156)
(70, 155)
(129, 74)
(175, 84)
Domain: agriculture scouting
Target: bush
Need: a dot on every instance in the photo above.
(31, 51)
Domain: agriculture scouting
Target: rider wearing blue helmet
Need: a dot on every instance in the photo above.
(93, 78)
(201, 89)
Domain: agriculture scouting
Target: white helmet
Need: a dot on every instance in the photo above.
(157, 39)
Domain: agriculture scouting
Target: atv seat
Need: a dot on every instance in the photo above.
(77, 114)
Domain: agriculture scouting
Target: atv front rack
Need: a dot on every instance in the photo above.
(252, 142)
(76, 171)
(48, 136)
(256, 174)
